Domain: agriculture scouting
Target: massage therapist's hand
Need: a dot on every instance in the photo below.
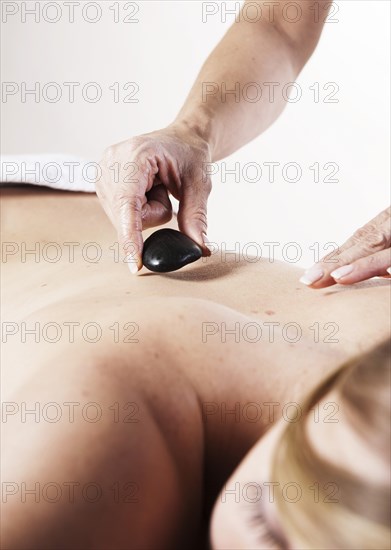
(366, 254)
(137, 176)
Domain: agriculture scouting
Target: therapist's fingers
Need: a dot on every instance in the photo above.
(374, 265)
(129, 207)
(129, 218)
(192, 213)
(158, 209)
(136, 213)
(374, 234)
(141, 209)
(121, 190)
(139, 173)
(373, 237)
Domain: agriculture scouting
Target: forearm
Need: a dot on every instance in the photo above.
(238, 93)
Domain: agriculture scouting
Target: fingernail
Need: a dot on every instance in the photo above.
(388, 270)
(341, 272)
(133, 267)
(312, 275)
(207, 243)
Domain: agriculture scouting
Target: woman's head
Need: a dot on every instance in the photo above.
(323, 481)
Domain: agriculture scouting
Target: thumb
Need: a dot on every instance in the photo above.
(192, 213)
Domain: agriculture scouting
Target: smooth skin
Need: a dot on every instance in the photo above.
(158, 476)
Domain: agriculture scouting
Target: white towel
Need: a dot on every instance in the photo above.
(57, 171)
(51, 170)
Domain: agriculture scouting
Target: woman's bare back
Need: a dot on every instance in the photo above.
(189, 350)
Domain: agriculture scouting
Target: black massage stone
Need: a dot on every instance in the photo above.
(169, 250)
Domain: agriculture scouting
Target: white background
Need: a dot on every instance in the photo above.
(162, 53)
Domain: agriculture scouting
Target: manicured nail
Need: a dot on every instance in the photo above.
(341, 272)
(133, 267)
(312, 275)
(388, 270)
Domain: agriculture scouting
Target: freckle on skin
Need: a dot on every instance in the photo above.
(254, 311)
(270, 312)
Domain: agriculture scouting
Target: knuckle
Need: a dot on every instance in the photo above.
(372, 237)
(200, 216)
(136, 145)
(370, 263)
(142, 145)
(132, 203)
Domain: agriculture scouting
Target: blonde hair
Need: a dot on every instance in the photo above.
(359, 516)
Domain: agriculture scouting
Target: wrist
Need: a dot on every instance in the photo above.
(200, 124)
